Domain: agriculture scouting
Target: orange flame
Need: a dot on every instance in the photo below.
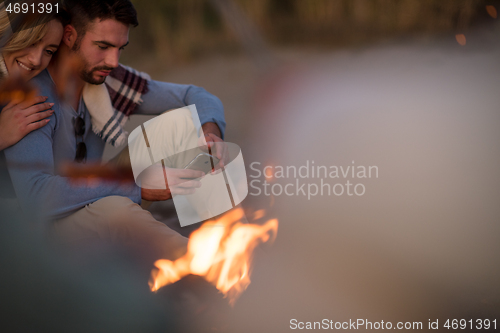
(15, 89)
(220, 251)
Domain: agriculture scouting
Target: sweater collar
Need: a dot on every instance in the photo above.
(3, 68)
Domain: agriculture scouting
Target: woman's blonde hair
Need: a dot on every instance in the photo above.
(28, 33)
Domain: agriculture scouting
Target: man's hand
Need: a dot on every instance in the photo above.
(211, 128)
(155, 195)
(159, 184)
(216, 146)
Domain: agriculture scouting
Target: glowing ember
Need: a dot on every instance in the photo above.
(492, 11)
(460, 39)
(268, 173)
(220, 251)
(259, 214)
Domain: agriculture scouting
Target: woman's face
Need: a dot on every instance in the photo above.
(29, 62)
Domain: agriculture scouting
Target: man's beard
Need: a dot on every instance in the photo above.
(87, 74)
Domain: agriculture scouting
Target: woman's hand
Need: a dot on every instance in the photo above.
(18, 118)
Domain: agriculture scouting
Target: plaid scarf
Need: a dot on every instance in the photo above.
(110, 110)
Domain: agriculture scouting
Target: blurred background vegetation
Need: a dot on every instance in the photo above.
(179, 31)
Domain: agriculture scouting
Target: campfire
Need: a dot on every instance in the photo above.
(221, 251)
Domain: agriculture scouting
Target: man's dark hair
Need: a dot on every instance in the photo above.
(85, 11)
(63, 16)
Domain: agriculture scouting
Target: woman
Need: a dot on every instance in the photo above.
(26, 54)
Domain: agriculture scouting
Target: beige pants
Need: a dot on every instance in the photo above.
(119, 220)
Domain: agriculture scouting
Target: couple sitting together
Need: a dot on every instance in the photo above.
(72, 120)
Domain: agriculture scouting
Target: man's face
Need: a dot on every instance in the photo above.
(100, 48)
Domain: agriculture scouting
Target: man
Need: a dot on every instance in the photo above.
(94, 40)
